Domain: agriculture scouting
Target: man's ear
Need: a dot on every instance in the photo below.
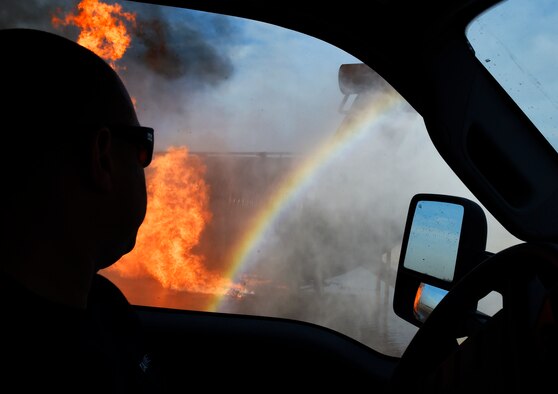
(100, 164)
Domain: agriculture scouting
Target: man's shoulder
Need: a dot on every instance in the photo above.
(103, 289)
(121, 334)
(111, 312)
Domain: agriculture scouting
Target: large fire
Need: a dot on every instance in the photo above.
(102, 28)
(178, 196)
(178, 200)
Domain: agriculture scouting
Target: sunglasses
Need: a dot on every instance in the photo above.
(140, 136)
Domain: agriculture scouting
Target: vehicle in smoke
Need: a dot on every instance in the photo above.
(293, 140)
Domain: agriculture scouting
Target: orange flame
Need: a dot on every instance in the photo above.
(178, 197)
(177, 213)
(103, 28)
(416, 302)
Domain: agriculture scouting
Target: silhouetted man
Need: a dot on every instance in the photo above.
(73, 199)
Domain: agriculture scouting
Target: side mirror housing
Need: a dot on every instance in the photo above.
(444, 239)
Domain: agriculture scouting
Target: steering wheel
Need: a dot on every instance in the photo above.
(514, 351)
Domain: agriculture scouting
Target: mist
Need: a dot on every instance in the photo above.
(334, 249)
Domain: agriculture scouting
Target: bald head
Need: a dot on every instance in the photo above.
(75, 185)
(55, 82)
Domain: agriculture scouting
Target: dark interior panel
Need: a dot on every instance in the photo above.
(235, 350)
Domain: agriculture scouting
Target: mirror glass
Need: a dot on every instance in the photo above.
(426, 299)
(434, 239)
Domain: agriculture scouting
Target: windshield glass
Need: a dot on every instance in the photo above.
(274, 190)
(517, 41)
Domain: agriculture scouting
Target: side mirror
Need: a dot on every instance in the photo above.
(444, 238)
(357, 78)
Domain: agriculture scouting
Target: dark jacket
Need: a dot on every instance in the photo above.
(49, 347)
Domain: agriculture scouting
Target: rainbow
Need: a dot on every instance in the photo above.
(353, 131)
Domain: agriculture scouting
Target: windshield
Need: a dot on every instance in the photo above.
(274, 191)
(517, 42)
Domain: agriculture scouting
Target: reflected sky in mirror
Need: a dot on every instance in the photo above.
(434, 239)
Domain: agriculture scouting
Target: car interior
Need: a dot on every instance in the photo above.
(359, 195)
